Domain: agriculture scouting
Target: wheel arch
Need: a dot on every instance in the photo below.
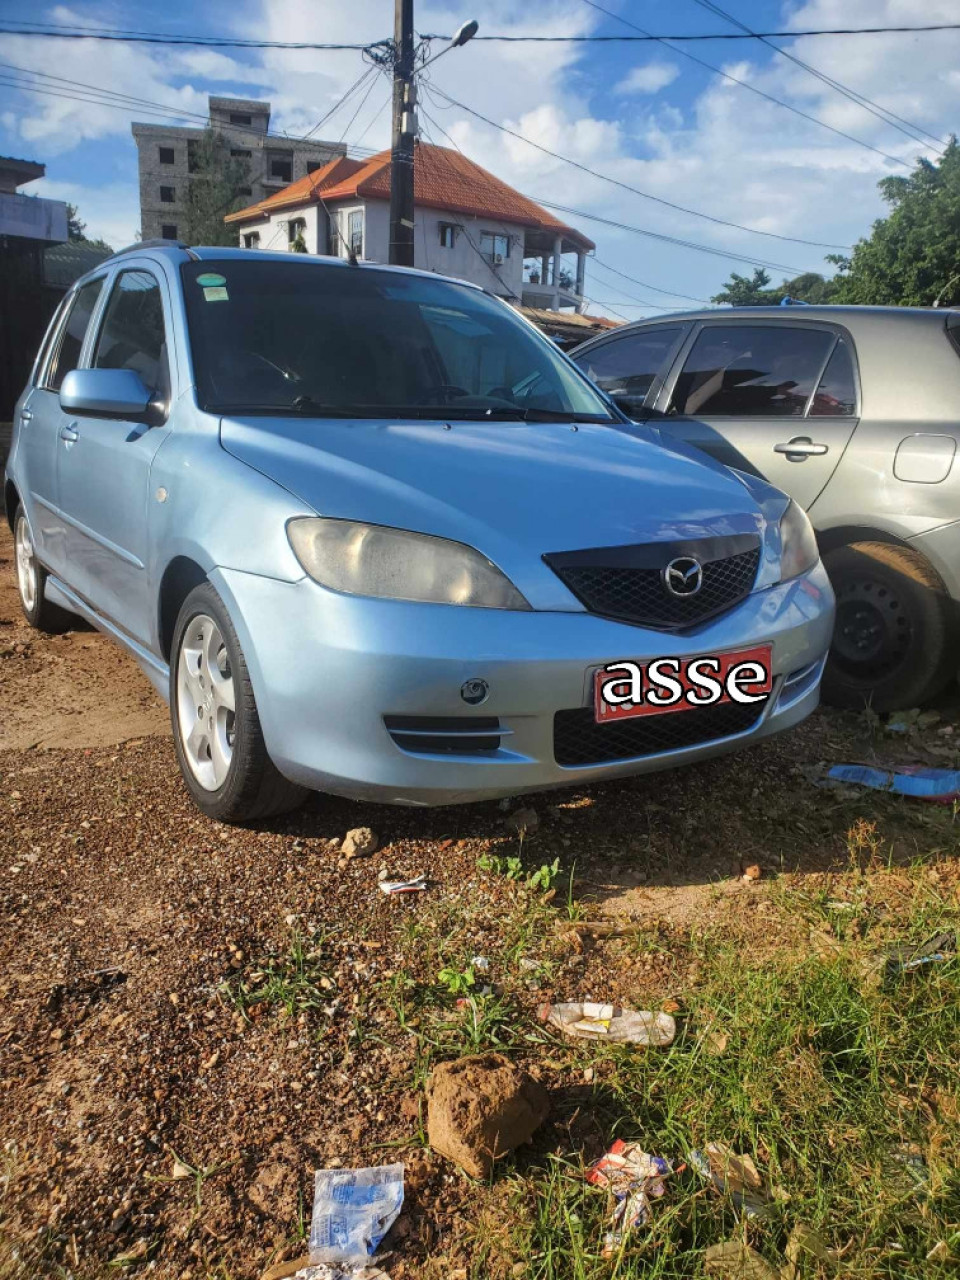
(844, 535)
(11, 500)
(180, 577)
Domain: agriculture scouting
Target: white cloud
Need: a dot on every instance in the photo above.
(650, 78)
(112, 212)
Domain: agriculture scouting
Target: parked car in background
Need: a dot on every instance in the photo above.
(855, 413)
(371, 533)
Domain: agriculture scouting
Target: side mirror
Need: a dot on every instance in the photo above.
(632, 406)
(106, 393)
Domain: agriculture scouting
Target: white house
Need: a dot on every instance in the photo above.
(469, 224)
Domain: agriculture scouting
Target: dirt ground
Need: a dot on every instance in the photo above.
(194, 1017)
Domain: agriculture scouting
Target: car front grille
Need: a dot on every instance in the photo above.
(579, 740)
(627, 583)
(445, 735)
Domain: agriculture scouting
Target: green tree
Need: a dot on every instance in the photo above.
(740, 291)
(77, 229)
(216, 179)
(912, 257)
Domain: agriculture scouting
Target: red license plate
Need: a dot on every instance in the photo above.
(626, 689)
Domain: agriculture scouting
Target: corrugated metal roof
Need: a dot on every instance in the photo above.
(64, 263)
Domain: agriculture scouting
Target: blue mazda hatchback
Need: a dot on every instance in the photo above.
(370, 533)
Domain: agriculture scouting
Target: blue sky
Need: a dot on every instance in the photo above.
(644, 114)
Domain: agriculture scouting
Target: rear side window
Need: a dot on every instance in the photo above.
(132, 335)
(627, 367)
(67, 356)
(836, 396)
(751, 371)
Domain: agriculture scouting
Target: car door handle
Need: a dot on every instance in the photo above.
(25, 416)
(69, 434)
(801, 447)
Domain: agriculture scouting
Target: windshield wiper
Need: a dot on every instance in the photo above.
(519, 414)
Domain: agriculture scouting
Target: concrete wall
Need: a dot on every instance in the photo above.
(33, 218)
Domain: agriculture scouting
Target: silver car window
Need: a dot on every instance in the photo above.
(627, 366)
(744, 370)
(70, 344)
(836, 396)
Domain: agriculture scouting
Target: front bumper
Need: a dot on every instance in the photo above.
(326, 670)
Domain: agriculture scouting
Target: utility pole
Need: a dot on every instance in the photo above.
(404, 135)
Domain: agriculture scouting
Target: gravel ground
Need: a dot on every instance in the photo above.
(135, 936)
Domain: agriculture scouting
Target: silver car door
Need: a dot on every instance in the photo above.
(774, 398)
(104, 464)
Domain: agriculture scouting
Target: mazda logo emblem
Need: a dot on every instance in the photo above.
(683, 576)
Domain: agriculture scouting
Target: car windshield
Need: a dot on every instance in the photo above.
(329, 341)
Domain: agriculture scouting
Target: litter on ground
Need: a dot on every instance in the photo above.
(591, 1021)
(353, 1209)
(633, 1179)
(905, 958)
(915, 781)
(416, 885)
(734, 1176)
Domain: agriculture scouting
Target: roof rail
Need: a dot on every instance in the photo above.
(153, 244)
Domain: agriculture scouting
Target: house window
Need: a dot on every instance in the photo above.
(166, 155)
(167, 195)
(237, 117)
(448, 234)
(297, 235)
(169, 231)
(251, 240)
(240, 154)
(281, 168)
(495, 248)
(355, 232)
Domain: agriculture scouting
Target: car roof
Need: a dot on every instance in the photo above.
(178, 252)
(798, 311)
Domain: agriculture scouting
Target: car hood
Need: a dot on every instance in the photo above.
(513, 490)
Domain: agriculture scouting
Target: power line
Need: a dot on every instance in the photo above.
(128, 102)
(874, 108)
(597, 262)
(745, 84)
(654, 235)
(657, 235)
(625, 186)
(80, 32)
(339, 103)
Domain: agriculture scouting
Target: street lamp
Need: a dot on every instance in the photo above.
(464, 33)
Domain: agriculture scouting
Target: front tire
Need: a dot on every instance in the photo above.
(894, 638)
(31, 581)
(216, 727)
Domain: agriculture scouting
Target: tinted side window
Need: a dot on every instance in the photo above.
(132, 335)
(626, 367)
(751, 371)
(836, 396)
(71, 339)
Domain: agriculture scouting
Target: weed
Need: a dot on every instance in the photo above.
(293, 981)
(457, 981)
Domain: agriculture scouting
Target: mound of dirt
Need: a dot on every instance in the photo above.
(480, 1108)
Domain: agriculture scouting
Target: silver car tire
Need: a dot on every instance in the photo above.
(31, 582)
(216, 727)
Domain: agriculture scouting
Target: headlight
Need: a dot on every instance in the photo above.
(798, 543)
(371, 560)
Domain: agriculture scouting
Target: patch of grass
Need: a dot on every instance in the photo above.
(844, 1090)
(294, 981)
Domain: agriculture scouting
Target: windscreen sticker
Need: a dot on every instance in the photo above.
(215, 293)
(211, 278)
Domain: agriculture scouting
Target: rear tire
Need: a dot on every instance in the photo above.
(31, 582)
(894, 643)
(216, 727)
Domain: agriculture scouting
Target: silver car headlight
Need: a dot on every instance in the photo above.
(798, 543)
(372, 560)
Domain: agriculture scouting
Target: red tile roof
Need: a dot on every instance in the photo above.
(443, 179)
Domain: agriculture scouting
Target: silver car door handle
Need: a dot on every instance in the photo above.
(802, 447)
(26, 415)
(69, 434)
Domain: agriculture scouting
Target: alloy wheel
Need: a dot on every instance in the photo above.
(206, 702)
(27, 575)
